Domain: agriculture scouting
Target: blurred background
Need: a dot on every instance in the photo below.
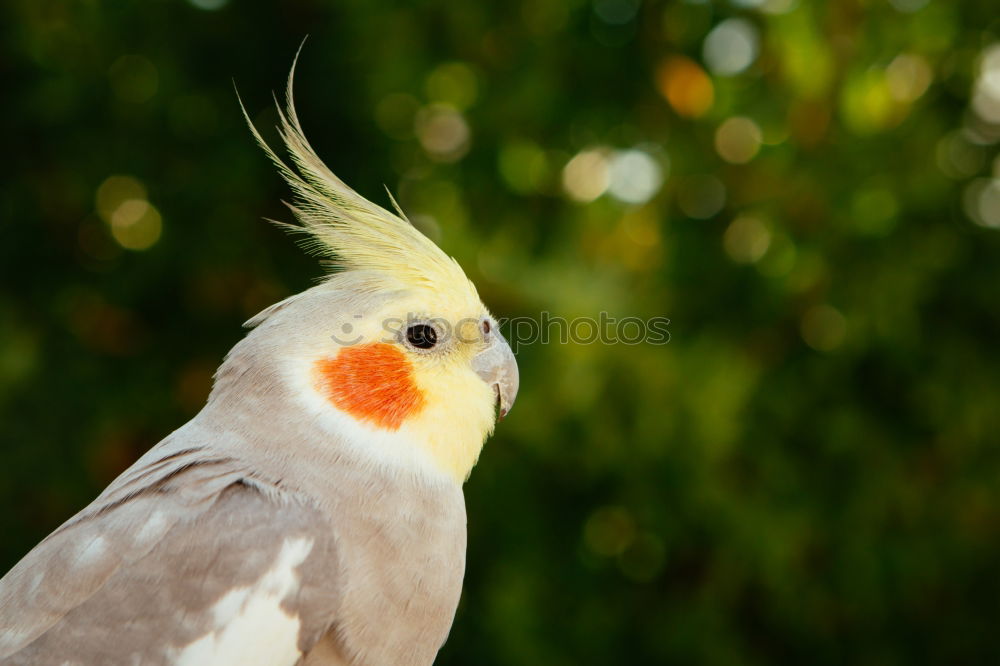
(810, 192)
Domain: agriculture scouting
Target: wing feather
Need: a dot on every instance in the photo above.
(183, 558)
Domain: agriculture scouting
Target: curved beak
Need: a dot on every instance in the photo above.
(497, 366)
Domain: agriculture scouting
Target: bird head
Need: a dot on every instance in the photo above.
(394, 351)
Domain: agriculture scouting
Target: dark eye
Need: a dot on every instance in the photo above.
(422, 336)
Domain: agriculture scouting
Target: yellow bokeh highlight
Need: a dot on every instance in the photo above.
(523, 166)
(867, 104)
(685, 86)
(804, 55)
(746, 240)
(454, 84)
(738, 140)
(113, 191)
(586, 176)
(824, 328)
(443, 133)
(908, 77)
(134, 223)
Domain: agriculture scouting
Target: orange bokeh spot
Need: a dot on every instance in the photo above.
(685, 86)
(372, 383)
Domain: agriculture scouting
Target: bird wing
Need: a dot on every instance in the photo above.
(186, 559)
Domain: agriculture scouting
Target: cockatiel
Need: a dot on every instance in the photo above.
(312, 512)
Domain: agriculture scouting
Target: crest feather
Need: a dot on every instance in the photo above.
(344, 226)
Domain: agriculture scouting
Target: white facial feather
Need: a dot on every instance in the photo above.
(394, 450)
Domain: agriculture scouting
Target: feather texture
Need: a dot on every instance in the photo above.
(191, 550)
(348, 228)
(280, 525)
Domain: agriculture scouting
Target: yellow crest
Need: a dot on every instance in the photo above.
(352, 231)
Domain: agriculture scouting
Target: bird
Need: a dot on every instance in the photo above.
(313, 511)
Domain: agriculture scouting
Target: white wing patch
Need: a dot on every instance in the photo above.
(251, 627)
(91, 551)
(154, 528)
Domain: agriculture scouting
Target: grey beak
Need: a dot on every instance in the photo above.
(497, 366)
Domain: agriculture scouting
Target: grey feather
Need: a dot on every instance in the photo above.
(134, 576)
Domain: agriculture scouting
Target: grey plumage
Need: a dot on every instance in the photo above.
(208, 509)
(312, 512)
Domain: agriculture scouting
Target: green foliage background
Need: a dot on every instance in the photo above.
(806, 473)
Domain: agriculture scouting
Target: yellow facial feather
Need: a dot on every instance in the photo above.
(358, 235)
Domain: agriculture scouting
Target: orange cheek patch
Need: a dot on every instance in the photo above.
(372, 383)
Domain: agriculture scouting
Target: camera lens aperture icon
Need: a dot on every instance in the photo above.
(346, 333)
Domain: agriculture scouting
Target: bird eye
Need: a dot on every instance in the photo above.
(422, 336)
